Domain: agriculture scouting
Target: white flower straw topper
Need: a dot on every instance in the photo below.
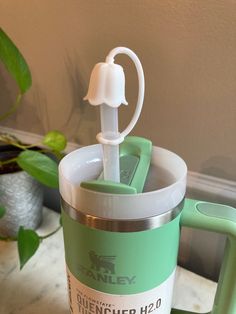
(107, 88)
(107, 85)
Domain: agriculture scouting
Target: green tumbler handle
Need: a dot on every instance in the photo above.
(222, 219)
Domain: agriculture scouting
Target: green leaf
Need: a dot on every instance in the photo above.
(28, 243)
(14, 62)
(2, 211)
(55, 140)
(39, 166)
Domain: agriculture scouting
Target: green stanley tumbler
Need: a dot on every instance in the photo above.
(121, 250)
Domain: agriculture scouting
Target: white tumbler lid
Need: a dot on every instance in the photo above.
(86, 164)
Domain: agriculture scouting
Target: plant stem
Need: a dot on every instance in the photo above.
(8, 141)
(7, 239)
(16, 144)
(24, 147)
(12, 109)
(50, 234)
(2, 163)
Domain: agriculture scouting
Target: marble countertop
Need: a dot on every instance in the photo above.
(41, 286)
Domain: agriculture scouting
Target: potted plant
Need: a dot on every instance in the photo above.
(24, 168)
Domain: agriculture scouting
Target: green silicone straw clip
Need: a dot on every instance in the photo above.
(135, 157)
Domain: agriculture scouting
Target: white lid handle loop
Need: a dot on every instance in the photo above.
(139, 105)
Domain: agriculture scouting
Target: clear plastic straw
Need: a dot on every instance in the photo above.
(109, 128)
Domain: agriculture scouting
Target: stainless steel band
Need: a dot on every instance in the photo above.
(119, 225)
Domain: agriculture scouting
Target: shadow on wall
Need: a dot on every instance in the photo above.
(32, 112)
(82, 119)
(5, 91)
(218, 166)
(83, 116)
(41, 108)
(8, 92)
(78, 120)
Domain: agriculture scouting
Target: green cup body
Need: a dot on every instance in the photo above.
(121, 250)
(113, 272)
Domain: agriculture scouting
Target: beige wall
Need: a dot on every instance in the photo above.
(188, 51)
